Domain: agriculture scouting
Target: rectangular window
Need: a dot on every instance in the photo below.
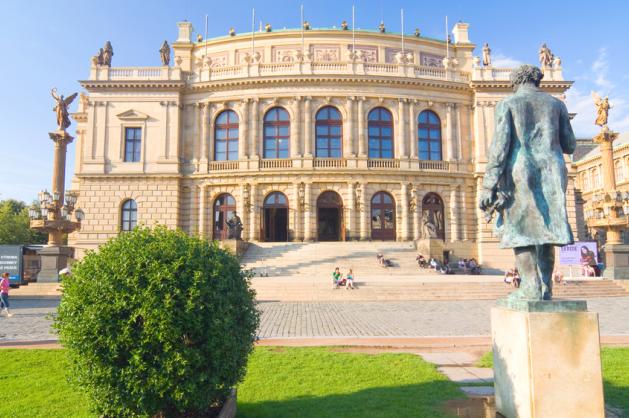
(132, 144)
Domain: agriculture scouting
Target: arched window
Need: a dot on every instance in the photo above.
(380, 127)
(276, 199)
(433, 225)
(618, 170)
(329, 132)
(276, 133)
(226, 136)
(224, 205)
(129, 215)
(429, 136)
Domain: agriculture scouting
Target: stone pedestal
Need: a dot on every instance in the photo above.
(547, 364)
(430, 247)
(616, 261)
(53, 259)
(236, 246)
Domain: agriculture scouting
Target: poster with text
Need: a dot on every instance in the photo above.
(579, 253)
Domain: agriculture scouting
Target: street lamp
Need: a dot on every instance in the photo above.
(33, 212)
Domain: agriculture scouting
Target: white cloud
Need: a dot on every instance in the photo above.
(503, 61)
(600, 70)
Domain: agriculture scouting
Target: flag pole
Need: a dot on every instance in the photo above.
(302, 29)
(205, 38)
(447, 40)
(353, 29)
(253, 31)
(402, 19)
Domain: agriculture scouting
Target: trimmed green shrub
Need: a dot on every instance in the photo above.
(157, 322)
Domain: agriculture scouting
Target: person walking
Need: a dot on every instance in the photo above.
(4, 294)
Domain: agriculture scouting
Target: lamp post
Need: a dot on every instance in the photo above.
(54, 215)
(608, 210)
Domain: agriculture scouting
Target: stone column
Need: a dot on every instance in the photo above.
(454, 218)
(449, 136)
(197, 114)
(364, 213)
(307, 127)
(348, 141)
(254, 140)
(205, 128)
(297, 218)
(243, 135)
(202, 190)
(401, 130)
(295, 128)
(416, 217)
(211, 133)
(412, 129)
(254, 213)
(362, 142)
(350, 211)
(404, 204)
(307, 211)
(464, 220)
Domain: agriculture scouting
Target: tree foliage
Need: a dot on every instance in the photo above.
(14, 224)
(157, 322)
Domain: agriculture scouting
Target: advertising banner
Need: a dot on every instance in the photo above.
(11, 262)
(579, 253)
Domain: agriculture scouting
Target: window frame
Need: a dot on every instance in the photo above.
(328, 124)
(136, 145)
(380, 124)
(127, 222)
(276, 125)
(431, 128)
(228, 140)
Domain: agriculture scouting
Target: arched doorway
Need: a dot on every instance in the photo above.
(433, 225)
(383, 217)
(329, 217)
(275, 217)
(224, 205)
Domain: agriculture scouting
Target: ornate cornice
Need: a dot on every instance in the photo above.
(502, 85)
(138, 85)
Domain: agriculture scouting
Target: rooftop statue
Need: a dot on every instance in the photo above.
(306, 25)
(526, 178)
(63, 120)
(545, 56)
(381, 27)
(602, 109)
(164, 54)
(417, 33)
(107, 53)
(486, 55)
(344, 25)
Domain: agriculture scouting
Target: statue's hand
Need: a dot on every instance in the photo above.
(487, 199)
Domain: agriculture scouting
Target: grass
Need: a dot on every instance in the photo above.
(615, 363)
(280, 382)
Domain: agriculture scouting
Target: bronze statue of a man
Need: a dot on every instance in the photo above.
(526, 178)
(234, 227)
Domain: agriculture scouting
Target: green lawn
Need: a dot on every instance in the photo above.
(615, 375)
(281, 382)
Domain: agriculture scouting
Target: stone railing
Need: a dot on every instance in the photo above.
(223, 165)
(330, 163)
(504, 74)
(383, 163)
(276, 163)
(434, 165)
(249, 70)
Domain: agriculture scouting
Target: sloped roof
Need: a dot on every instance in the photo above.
(622, 139)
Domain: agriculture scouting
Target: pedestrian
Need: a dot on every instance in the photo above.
(4, 294)
(349, 278)
(336, 276)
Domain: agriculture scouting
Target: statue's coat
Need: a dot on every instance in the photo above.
(526, 163)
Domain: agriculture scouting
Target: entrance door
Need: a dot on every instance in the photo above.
(329, 217)
(382, 217)
(275, 214)
(224, 205)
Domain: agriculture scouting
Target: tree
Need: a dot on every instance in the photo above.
(157, 323)
(14, 224)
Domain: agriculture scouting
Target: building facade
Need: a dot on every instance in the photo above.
(307, 135)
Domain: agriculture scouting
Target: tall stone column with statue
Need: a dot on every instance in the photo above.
(53, 216)
(546, 351)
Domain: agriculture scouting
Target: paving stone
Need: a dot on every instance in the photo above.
(467, 375)
(449, 359)
(481, 391)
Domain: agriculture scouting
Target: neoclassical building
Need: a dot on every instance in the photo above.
(308, 135)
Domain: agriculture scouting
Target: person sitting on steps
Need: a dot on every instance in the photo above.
(336, 277)
(349, 279)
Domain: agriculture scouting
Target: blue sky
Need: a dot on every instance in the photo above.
(47, 44)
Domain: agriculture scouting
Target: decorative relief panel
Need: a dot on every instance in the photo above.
(389, 54)
(284, 53)
(431, 60)
(369, 53)
(240, 55)
(326, 53)
(218, 60)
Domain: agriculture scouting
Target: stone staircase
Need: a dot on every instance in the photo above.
(320, 258)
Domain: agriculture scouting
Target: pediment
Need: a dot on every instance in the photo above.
(132, 114)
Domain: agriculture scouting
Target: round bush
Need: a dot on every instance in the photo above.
(157, 323)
